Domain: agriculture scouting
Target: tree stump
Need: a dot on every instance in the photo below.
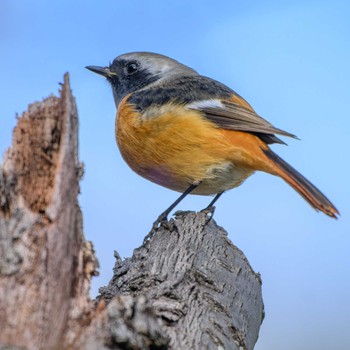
(188, 287)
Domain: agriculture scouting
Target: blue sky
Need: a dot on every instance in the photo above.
(289, 59)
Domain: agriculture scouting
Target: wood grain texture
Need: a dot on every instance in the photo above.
(126, 323)
(203, 289)
(45, 263)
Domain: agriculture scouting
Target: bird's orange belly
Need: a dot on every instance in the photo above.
(177, 147)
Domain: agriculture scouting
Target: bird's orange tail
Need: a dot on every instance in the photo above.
(303, 186)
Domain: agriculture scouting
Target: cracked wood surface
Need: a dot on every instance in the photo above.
(45, 263)
(201, 286)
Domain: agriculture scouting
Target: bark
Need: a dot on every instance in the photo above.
(200, 285)
(188, 287)
(45, 263)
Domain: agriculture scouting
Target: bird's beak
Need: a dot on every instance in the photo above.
(104, 71)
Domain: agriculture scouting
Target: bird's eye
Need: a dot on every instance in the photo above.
(131, 68)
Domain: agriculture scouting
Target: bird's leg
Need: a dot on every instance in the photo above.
(163, 216)
(210, 209)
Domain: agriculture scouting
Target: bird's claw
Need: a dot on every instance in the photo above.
(209, 211)
(161, 220)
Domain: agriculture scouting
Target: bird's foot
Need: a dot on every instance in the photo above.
(161, 220)
(209, 212)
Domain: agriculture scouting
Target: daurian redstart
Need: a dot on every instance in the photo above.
(192, 134)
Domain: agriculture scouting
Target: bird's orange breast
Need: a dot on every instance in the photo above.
(176, 147)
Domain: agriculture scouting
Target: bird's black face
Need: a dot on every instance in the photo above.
(130, 75)
(133, 71)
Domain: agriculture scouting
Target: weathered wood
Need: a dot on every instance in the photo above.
(45, 264)
(201, 286)
(127, 322)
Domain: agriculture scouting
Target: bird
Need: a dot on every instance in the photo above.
(192, 134)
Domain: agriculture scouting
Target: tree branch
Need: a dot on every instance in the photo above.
(45, 264)
(200, 285)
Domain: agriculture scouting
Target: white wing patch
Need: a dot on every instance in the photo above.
(205, 104)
